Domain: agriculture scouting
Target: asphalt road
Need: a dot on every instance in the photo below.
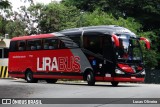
(20, 89)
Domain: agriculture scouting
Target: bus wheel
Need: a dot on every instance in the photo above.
(29, 77)
(90, 79)
(114, 83)
(51, 80)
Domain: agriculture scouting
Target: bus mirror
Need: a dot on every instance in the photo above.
(116, 40)
(147, 43)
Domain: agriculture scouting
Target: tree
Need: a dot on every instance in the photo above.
(145, 11)
(54, 17)
(4, 4)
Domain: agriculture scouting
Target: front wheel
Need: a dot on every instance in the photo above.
(51, 80)
(114, 83)
(29, 77)
(90, 79)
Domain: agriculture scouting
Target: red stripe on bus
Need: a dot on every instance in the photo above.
(33, 37)
(122, 79)
(108, 78)
(58, 77)
(99, 78)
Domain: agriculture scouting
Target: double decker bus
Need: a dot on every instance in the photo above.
(98, 53)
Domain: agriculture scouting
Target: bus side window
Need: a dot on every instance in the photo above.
(38, 44)
(13, 46)
(50, 43)
(92, 43)
(108, 50)
(46, 46)
(77, 40)
(31, 45)
(62, 45)
(21, 45)
(34, 44)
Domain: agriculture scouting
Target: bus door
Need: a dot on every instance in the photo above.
(93, 49)
(109, 55)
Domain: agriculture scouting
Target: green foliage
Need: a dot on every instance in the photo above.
(101, 18)
(54, 17)
(15, 28)
(4, 4)
(145, 11)
(150, 58)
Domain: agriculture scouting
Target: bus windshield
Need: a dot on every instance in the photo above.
(129, 49)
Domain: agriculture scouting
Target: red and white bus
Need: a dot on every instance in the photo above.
(98, 53)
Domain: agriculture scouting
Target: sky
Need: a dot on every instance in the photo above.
(17, 3)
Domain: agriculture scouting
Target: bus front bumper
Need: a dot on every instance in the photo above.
(128, 79)
(121, 79)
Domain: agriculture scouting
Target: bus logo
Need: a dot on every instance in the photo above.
(58, 64)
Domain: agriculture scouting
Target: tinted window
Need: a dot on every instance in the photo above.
(108, 50)
(50, 43)
(38, 44)
(34, 45)
(77, 40)
(13, 46)
(93, 43)
(67, 42)
(21, 45)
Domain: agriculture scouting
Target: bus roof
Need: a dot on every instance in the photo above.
(36, 36)
(110, 29)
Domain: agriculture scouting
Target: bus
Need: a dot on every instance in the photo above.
(96, 53)
(4, 51)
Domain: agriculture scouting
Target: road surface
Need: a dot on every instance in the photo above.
(10, 88)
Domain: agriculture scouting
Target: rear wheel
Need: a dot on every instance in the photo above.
(51, 80)
(90, 78)
(114, 83)
(29, 77)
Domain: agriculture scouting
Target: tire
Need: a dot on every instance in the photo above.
(90, 78)
(29, 77)
(115, 84)
(51, 80)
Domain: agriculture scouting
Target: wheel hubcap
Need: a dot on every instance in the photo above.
(29, 76)
(88, 77)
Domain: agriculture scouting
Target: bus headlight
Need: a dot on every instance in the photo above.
(117, 71)
(143, 73)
